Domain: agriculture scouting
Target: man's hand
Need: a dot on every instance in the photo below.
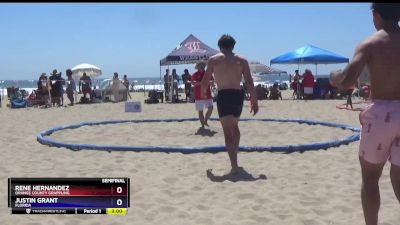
(336, 79)
(253, 105)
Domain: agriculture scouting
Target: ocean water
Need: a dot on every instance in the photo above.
(33, 83)
(141, 84)
(147, 83)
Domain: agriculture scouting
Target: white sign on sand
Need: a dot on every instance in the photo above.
(133, 107)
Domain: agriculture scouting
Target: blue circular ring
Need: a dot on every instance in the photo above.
(42, 137)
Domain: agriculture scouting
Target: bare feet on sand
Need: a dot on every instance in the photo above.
(234, 171)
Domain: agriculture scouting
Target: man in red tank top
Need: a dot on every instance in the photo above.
(200, 101)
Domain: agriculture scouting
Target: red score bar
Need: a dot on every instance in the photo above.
(77, 190)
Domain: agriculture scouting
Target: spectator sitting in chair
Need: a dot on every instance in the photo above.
(274, 92)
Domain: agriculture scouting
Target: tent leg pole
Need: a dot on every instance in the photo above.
(160, 79)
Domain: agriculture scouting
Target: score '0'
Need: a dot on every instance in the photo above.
(119, 202)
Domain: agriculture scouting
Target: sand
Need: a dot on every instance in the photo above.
(310, 188)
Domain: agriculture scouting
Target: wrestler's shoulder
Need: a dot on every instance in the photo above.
(217, 56)
(241, 58)
(373, 39)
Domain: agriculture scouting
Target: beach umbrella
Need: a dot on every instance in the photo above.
(90, 70)
(257, 67)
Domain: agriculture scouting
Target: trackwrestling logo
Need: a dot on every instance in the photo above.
(194, 46)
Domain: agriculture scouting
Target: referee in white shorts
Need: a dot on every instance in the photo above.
(207, 101)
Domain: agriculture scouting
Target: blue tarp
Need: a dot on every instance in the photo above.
(309, 54)
(19, 103)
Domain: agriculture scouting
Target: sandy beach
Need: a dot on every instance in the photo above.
(310, 188)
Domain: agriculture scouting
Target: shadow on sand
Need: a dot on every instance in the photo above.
(205, 132)
(240, 175)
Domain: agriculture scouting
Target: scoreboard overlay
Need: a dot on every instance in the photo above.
(69, 195)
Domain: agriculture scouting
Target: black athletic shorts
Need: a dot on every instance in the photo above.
(230, 102)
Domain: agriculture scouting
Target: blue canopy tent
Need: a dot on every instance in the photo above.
(309, 54)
